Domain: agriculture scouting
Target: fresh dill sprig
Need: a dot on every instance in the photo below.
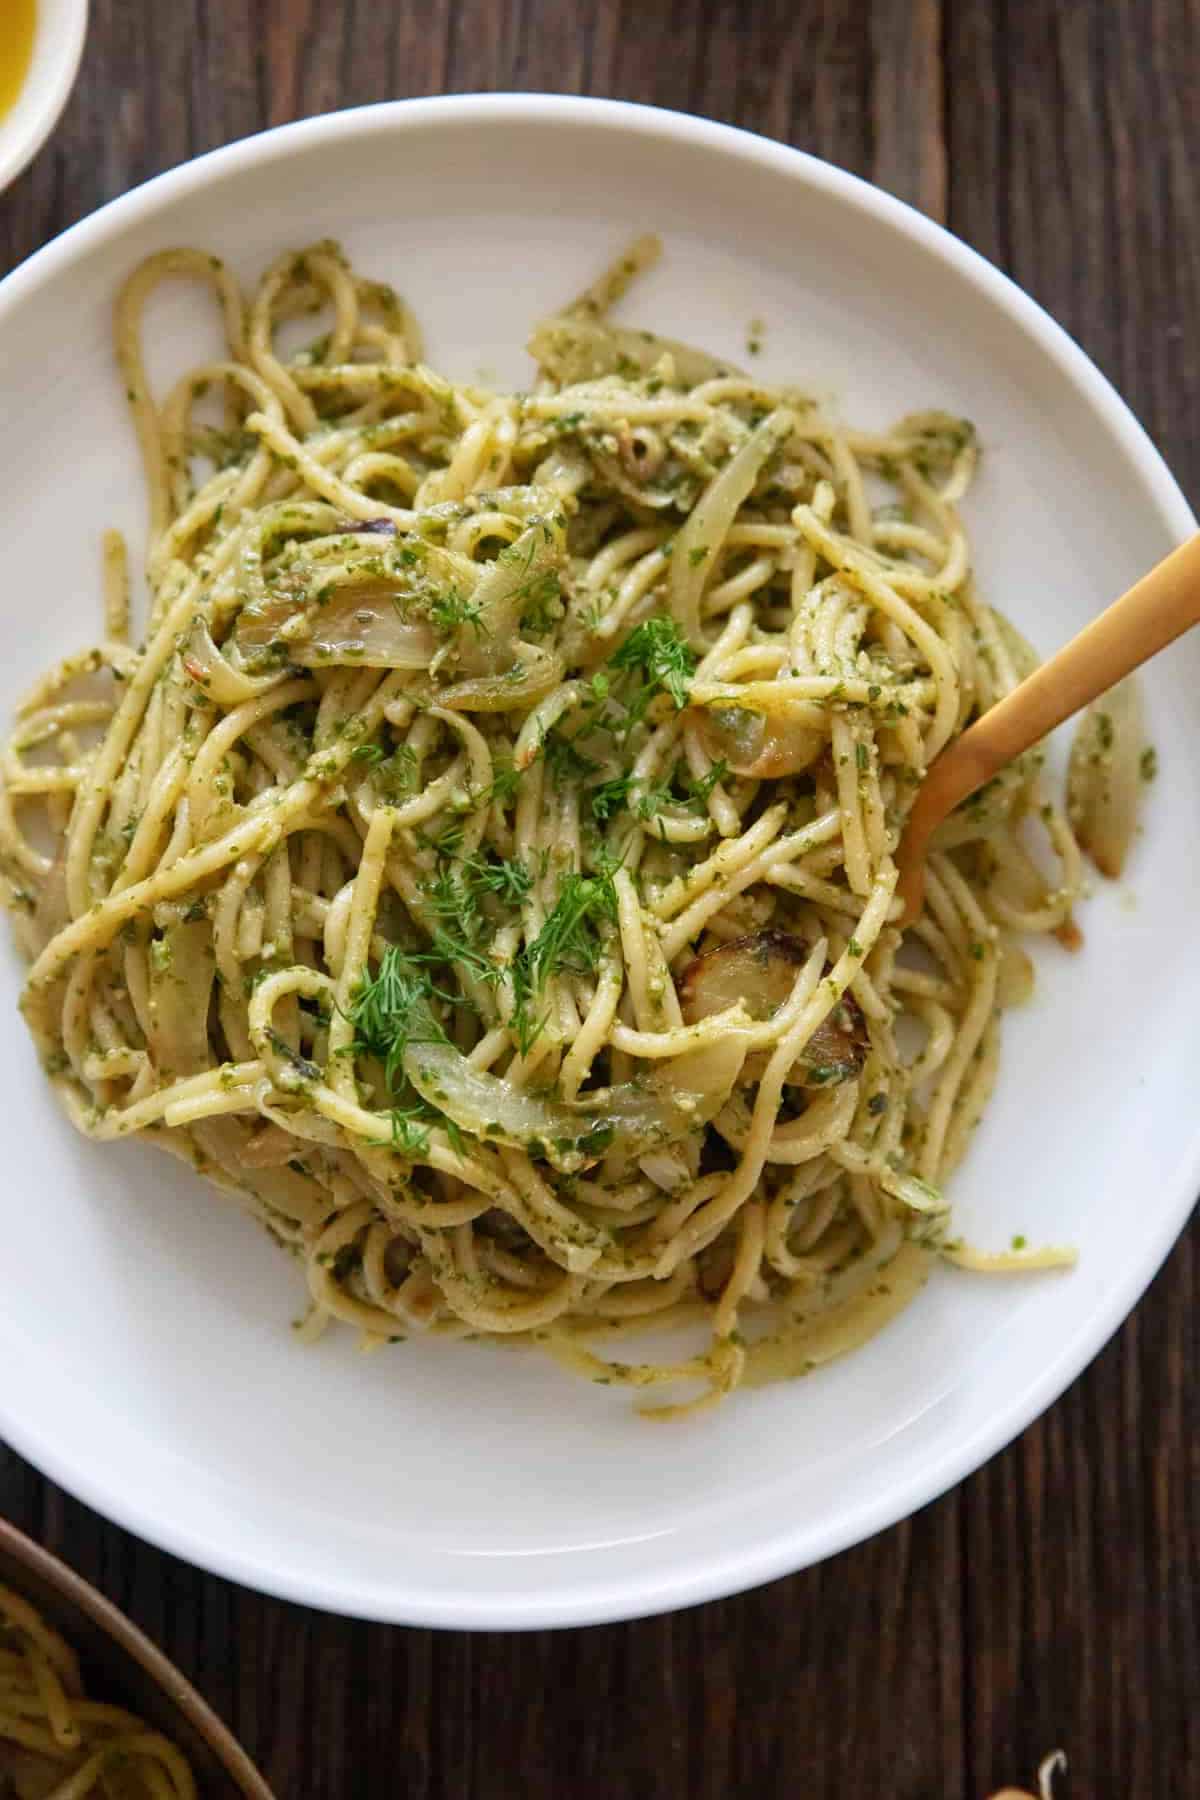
(651, 801)
(508, 878)
(657, 649)
(410, 1131)
(395, 774)
(506, 779)
(700, 789)
(455, 897)
(570, 942)
(451, 611)
(610, 797)
(394, 1008)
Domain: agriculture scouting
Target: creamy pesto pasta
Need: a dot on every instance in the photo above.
(58, 1744)
(482, 864)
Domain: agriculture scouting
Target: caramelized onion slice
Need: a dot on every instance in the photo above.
(362, 623)
(182, 971)
(751, 744)
(524, 569)
(656, 1109)
(703, 532)
(533, 673)
(760, 970)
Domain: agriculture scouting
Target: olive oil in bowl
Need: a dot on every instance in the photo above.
(16, 48)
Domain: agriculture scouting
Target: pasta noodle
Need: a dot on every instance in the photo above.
(483, 865)
(56, 1743)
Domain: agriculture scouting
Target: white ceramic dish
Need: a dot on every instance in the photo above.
(54, 64)
(145, 1357)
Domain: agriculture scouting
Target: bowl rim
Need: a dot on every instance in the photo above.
(19, 147)
(174, 1686)
(625, 1595)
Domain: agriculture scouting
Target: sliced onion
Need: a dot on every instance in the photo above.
(1014, 977)
(182, 970)
(370, 609)
(485, 644)
(269, 1148)
(750, 744)
(1104, 776)
(576, 350)
(362, 624)
(533, 674)
(636, 1116)
(700, 538)
(760, 971)
(216, 678)
(928, 1206)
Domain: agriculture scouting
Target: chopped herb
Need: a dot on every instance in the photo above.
(395, 775)
(656, 648)
(700, 789)
(610, 797)
(450, 612)
(1148, 763)
(652, 800)
(506, 779)
(393, 1009)
(1018, 1242)
(410, 1132)
(570, 941)
(508, 880)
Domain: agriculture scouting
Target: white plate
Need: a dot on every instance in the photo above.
(145, 1356)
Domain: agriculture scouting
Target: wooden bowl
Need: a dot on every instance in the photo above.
(122, 1666)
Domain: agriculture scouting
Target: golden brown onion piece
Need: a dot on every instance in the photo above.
(760, 971)
(749, 744)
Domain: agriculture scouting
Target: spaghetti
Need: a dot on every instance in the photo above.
(484, 866)
(59, 1745)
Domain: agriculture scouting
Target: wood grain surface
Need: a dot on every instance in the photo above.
(1053, 1598)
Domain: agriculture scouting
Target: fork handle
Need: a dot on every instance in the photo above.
(1152, 614)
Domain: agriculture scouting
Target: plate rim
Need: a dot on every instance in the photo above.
(610, 1595)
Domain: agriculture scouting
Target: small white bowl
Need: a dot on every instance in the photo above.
(57, 47)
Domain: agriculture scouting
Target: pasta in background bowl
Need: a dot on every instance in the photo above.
(89, 1705)
(879, 317)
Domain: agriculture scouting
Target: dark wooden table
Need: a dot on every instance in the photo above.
(1055, 1597)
